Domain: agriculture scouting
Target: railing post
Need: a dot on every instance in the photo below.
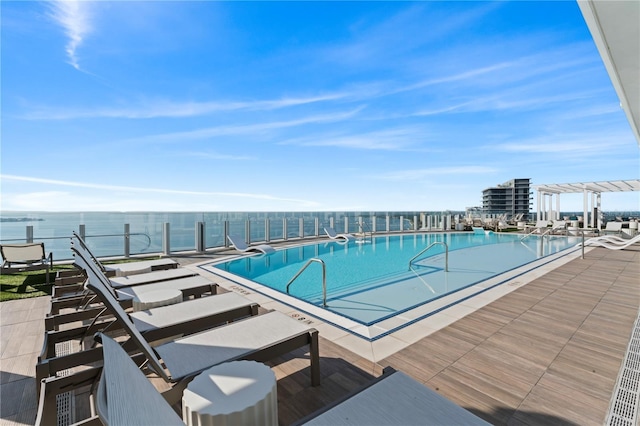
(346, 224)
(301, 227)
(267, 229)
(388, 219)
(285, 232)
(401, 223)
(166, 239)
(82, 232)
(200, 237)
(247, 231)
(226, 234)
(127, 240)
(373, 224)
(317, 226)
(415, 222)
(29, 236)
(332, 222)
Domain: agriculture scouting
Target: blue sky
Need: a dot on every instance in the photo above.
(302, 106)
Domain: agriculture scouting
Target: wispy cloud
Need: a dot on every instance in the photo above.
(248, 129)
(393, 139)
(412, 28)
(583, 144)
(75, 18)
(151, 190)
(217, 156)
(417, 174)
(503, 101)
(162, 108)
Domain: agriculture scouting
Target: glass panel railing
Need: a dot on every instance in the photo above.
(293, 227)
(214, 233)
(105, 232)
(256, 227)
(276, 229)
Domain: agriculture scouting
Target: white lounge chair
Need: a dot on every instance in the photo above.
(614, 239)
(502, 225)
(124, 288)
(75, 296)
(25, 257)
(559, 227)
(613, 244)
(393, 399)
(257, 338)
(239, 244)
(331, 233)
(124, 395)
(127, 288)
(613, 228)
(131, 268)
(540, 227)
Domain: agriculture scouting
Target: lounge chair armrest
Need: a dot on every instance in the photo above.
(53, 337)
(53, 322)
(51, 387)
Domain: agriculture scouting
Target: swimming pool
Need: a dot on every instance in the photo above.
(377, 281)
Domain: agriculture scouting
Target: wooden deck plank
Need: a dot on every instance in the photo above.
(505, 362)
(577, 408)
(573, 379)
(481, 403)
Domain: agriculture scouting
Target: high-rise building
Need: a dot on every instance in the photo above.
(513, 197)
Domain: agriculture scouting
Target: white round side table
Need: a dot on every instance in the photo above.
(232, 393)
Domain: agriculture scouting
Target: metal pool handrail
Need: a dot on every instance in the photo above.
(446, 254)
(324, 278)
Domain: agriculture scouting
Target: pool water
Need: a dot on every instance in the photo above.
(373, 280)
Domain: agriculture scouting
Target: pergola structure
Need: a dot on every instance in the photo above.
(591, 192)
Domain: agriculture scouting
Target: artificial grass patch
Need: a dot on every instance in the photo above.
(23, 285)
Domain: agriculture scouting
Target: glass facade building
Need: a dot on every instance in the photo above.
(513, 198)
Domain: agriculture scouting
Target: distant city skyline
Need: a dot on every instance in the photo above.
(302, 106)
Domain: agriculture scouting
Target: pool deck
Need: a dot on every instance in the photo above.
(544, 349)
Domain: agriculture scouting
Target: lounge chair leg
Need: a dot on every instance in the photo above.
(314, 354)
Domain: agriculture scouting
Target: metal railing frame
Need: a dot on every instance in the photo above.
(446, 254)
(324, 278)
